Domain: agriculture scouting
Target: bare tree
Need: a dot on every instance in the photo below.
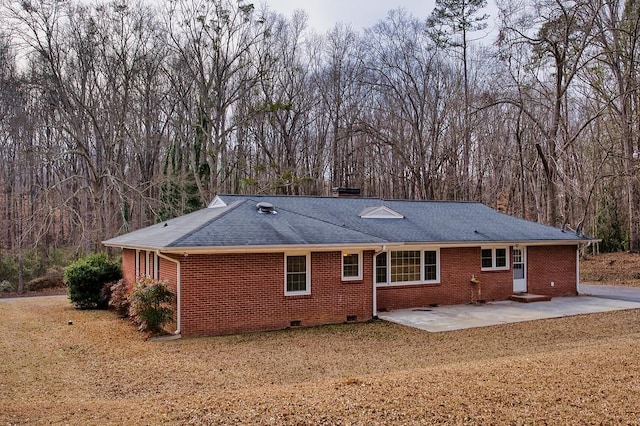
(450, 25)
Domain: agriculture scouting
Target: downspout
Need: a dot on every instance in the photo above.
(375, 295)
(578, 267)
(178, 302)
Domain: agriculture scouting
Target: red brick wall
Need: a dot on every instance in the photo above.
(232, 293)
(169, 273)
(129, 266)
(457, 266)
(555, 264)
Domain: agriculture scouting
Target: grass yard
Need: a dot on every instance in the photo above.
(579, 370)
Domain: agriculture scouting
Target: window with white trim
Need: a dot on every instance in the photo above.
(297, 277)
(495, 258)
(381, 268)
(430, 265)
(351, 266)
(403, 267)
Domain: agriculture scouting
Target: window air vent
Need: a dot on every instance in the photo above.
(351, 318)
(263, 207)
(296, 323)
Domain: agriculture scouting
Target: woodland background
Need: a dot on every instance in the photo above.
(117, 114)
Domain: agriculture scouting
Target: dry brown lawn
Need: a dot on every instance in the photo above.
(100, 370)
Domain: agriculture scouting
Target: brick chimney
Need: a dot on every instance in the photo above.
(342, 192)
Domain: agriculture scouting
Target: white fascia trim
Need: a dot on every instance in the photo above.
(338, 247)
(273, 249)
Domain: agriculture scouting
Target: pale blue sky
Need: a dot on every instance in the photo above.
(324, 14)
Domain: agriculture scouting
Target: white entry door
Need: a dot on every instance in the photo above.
(519, 270)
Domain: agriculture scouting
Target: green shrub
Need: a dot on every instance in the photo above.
(150, 305)
(6, 287)
(36, 262)
(86, 277)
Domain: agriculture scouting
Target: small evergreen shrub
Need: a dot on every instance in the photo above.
(151, 305)
(119, 298)
(6, 287)
(86, 277)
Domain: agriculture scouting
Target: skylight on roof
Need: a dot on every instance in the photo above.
(380, 212)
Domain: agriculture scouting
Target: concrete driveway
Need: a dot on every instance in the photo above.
(447, 318)
(631, 294)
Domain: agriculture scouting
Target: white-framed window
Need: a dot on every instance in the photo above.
(297, 274)
(405, 266)
(402, 267)
(494, 258)
(381, 268)
(351, 266)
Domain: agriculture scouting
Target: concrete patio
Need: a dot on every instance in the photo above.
(448, 318)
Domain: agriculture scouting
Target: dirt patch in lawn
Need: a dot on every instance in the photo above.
(611, 269)
(578, 370)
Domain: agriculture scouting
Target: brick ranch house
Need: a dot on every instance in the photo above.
(252, 263)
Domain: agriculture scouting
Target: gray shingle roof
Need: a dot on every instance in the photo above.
(336, 221)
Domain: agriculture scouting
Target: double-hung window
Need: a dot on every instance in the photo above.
(401, 267)
(430, 265)
(351, 266)
(495, 258)
(381, 268)
(297, 280)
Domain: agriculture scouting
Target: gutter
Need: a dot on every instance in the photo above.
(335, 247)
(178, 301)
(375, 289)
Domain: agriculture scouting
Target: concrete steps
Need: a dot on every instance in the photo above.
(528, 298)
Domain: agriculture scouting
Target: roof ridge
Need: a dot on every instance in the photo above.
(298, 196)
(329, 197)
(343, 226)
(231, 208)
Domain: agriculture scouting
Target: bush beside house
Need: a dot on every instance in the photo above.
(86, 278)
